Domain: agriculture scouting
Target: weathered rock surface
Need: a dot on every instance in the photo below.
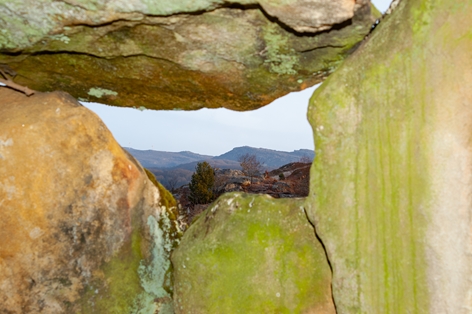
(179, 54)
(251, 254)
(81, 229)
(45, 16)
(393, 170)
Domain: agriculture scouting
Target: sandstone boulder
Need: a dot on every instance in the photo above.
(179, 54)
(392, 175)
(251, 254)
(82, 228)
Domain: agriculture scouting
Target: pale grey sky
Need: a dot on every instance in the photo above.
(282, 125)
(382, 5)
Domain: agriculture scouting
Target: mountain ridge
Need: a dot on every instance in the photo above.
(167, 169)
(162, 159)
(270, 158)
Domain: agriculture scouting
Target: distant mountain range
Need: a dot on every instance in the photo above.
(270, 159)
(176, 169)
(158, 159)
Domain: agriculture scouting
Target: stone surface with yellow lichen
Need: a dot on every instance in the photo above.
(252, 254)
(391, 182)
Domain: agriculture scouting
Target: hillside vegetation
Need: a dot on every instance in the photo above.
(174, 169)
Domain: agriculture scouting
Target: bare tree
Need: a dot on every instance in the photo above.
(172, 182)
(250, 164)
(220, 181)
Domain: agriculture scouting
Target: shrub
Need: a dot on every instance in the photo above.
(201, 185)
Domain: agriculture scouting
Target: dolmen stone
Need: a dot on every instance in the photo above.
(252, 254)
(81, 229)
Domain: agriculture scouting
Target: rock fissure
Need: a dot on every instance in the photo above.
(322, 47)
(310, 221)
(60, 52)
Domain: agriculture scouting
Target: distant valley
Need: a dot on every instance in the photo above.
(174, 169)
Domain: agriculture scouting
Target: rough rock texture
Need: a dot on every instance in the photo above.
(150, 54)
(393, 172)
(81, 228)
(28, 21)
(251, 254)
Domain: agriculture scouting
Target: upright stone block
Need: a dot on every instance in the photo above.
(392, 180)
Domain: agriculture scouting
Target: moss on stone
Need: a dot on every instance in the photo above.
(134, 283)
(167, 200)
(251, 254)
(138, 279)
(376, 122)
(116, 286)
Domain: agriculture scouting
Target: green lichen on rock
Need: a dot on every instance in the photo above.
(100, 92)
(386, 203)
(136, 282)
(154, 275)
(280, 58)
(251, 254)
(118, 293)
(166, 200)
(139, 277)
(61, 37)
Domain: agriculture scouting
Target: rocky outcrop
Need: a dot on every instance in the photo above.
(393, 168)
(82, 228)
(251, 254)
(179, 54)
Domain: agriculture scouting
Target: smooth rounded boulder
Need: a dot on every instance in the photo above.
(82, 228)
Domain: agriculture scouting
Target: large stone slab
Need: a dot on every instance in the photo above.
(21, 28)
(392, 178)
(179, 54)
(82, 228)
(252, 254)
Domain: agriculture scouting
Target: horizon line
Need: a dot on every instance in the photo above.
(204, 154)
